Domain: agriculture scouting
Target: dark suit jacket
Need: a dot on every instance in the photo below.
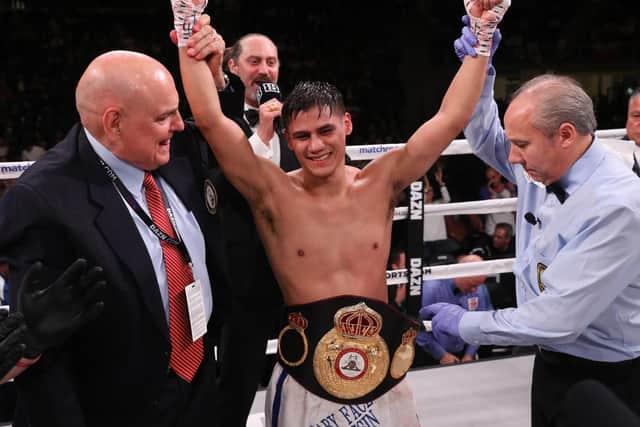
(111, 371)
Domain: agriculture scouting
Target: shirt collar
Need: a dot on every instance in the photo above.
(583, 168)
(131, 176)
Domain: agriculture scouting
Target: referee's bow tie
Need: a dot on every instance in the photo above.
(252, 117)
(557, 189)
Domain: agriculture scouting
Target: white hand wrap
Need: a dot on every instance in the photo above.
(185, 15)
(484, 27)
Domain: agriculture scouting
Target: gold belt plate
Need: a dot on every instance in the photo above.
(352, 359)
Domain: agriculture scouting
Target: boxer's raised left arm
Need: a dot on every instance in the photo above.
(425, 146)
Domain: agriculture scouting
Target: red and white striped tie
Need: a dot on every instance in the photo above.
(186, 354)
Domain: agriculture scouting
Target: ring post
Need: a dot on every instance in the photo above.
(414, 250)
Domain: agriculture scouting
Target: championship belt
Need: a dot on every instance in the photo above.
(351, 359)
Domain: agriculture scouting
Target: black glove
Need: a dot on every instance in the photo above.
(12, 334)
(53, 313)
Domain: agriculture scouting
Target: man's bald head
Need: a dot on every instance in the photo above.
(129, 102)
(469, 284)
(116, 79)
(557, 99)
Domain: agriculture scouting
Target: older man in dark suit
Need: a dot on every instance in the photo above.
(120, 193)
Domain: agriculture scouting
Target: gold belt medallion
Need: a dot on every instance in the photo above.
(297, 324)
(404, 354)
(352, 359)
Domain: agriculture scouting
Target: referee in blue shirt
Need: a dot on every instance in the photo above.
(577, 262)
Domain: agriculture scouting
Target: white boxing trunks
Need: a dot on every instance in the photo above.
(288, 404)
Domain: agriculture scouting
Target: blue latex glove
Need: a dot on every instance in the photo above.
(445, 319)
(463, 45)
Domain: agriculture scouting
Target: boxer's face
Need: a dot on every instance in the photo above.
(318, 137)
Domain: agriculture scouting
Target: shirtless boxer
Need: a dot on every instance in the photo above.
(326, 227)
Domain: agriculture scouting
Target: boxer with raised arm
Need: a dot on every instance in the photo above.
(326, 228)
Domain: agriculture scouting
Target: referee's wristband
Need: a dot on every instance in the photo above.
(27, 362)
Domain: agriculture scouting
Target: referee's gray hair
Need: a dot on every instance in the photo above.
(559, 99)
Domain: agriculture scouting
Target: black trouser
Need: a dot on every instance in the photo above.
(555, 373)
(242, 357)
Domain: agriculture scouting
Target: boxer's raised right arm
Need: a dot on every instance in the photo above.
(246, 171)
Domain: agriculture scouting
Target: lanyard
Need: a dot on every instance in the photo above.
(131, 201)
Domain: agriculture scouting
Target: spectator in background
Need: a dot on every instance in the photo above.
(501, 287)
(33, 150)
(476, 241)
(633, 117)
(436, 244)
(397, 293)
(469, 293)
(502, 242)
(633, 127)
(497, 187)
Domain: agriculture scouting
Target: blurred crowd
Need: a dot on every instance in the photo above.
(392, 65)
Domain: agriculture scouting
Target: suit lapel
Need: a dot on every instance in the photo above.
(180, 177)
(121, 234)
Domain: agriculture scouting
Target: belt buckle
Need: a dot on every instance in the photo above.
(352, 359)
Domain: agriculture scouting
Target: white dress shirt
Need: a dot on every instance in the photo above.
(186, 222)
(270, 151)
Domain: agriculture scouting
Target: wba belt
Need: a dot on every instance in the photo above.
(338, 348)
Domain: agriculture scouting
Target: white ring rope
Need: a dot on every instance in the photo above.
(458, 146)
(465, 269)
(611, 133)
(12, 170)
(462, 208)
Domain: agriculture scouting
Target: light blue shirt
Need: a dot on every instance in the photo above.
(187, 225)
(578, 270)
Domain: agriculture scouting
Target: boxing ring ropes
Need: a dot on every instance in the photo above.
(438, 391)
(416, 272)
